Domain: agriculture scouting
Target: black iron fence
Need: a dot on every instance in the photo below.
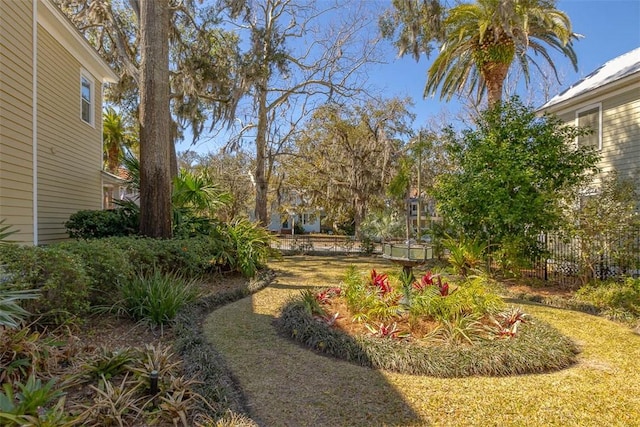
(304, 243)
(570, 259)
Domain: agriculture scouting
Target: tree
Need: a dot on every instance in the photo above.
(117, 136)
(480, 41)
(201, 84)
(285, 82)
(512, 174)
(346, 157)
(155, 142)
(605, 222)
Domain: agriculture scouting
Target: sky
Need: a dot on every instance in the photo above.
(609, 28)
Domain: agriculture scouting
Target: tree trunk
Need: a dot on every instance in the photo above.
(155, 119)
(494, 74)
(262, 184)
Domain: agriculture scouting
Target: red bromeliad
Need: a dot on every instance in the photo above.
(380, 281)
(387, 331)
(324, 296)
(429, 279)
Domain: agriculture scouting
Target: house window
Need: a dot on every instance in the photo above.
(86, 98)
(590, 117)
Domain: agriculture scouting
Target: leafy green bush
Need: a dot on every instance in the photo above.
(614, 299)
(156, 297)
(105, 263)
(190, 257)
(57, 274)
(241, 246)
(88, 224)
(17, 409)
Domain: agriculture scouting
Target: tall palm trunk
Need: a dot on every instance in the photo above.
(155, 119)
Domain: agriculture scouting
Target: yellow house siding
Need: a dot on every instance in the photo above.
(69, 150)
(621, 133)
(16, 113)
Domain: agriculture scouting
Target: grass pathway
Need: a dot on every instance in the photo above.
(287, 385)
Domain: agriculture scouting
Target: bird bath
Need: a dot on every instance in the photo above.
(407, 255)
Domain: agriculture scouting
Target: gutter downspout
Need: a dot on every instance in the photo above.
(34, 117)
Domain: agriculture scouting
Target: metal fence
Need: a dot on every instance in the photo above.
(305, 244)
(570, 260)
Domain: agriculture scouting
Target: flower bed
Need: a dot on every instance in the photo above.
(424, 327)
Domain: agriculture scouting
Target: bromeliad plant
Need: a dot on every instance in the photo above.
(386, 305)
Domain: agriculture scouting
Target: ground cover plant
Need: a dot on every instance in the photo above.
(426, 326)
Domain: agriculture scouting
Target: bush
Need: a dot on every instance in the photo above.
(190, 257)
(89, 224)
(156, 297)
(57, 274)
(617, 300)
(242, 246)
(105, 263)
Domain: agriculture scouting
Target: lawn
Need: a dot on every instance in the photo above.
(288, 385)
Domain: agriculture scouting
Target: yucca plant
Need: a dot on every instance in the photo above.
(105, 364)
(466, 255)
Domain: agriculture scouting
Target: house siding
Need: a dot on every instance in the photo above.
(69, 150)
(620, 129)
(16, 114)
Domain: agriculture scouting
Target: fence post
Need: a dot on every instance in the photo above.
(546, 259)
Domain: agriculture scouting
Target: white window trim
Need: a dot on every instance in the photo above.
(591, 107)
(84, 74)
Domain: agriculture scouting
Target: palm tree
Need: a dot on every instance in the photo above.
(482, 40)
(116, 138)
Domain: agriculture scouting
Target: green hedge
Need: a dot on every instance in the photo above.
(59, 275)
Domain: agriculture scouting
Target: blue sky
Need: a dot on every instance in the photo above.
(610, 28)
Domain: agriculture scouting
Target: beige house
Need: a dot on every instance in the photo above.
(608, 101)
(50, 120)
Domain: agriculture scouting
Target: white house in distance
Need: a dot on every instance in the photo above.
(608, 101)
(50, 121)
(290, 212)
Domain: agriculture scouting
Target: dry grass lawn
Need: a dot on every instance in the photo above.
(287, 385)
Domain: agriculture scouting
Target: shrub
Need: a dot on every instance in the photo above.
(105, 263)
(32, 397)
(156, 297)
(617, 300)
(88, 224)
(189, 257)
(241, 246)
(57, 274)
